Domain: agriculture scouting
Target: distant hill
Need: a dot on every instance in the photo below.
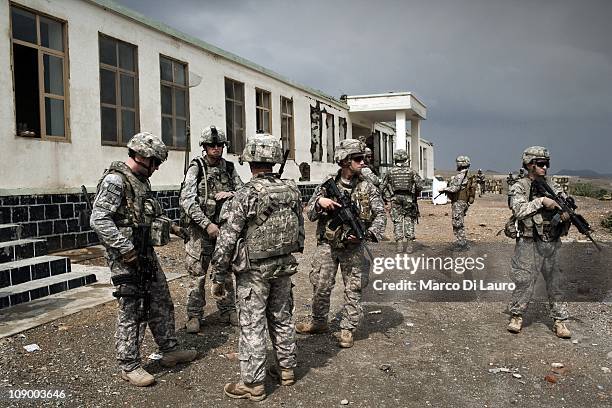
(583, 173)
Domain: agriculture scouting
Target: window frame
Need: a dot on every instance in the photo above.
(173, 85)
(262, 109)
(232, 138)
(118, 108)
(42, 94)
(290, 117)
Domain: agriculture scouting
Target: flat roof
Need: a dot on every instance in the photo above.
(388, 94)
(196, 42)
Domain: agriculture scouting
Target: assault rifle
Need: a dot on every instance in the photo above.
(282, 166)
(347, 214)
(145, 273)
(415, 202)
(85, 214)
(568, 206)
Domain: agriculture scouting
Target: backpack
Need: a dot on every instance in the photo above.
(471, 189)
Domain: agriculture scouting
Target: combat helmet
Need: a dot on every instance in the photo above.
(147, 144)
(400, 155)
(462, 161)
(212, 135)
(263, 148)
(533, 153)
(348, 148)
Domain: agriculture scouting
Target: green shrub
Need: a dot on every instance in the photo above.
(588, 190)
(607, 223)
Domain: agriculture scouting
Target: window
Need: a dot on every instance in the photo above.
(263, 110)
(234, 115)
(341, 128)
(118, 91)
(174, 102)
(40, 75)
(384, 148)
(287, 138)
(331, 142)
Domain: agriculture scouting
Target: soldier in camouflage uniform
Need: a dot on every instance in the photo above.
(367, 171)
(537, 244)
(339, 247)
(123, 201)
(457, 190)
(481, 180)
(400, 187)
(210, 181)
(261, 228)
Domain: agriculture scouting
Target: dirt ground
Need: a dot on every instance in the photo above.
(407, 353)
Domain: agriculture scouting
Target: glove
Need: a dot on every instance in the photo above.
(130, 258)
(217, 290)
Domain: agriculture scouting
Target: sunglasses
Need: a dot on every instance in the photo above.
(542, 163)
(358, 159)
(157, 162)
(213, 145)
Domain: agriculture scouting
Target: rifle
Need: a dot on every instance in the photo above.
(85, 214)
(415, 202)
(347, 214)
(282, 167)
(147, 266)
(568, 206)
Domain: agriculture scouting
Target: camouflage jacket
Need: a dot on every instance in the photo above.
(371, 176)
(197, 199)
(369, 203)
(527, 209)
(240, 213)
(386, 188)
(457, 183)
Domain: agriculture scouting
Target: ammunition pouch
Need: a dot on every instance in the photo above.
(160, 231)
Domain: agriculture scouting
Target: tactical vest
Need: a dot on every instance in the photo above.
(217, 179)
(402, 179)
(538, 224)
(467, 193)
(275, 230)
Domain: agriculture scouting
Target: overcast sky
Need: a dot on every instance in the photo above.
(496, 75)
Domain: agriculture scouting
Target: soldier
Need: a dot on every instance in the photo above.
(209, 181)
(537, 244)
(480, 179)
(401, 187)
(460, 195)
(264, 223)
(122, 206)
(339, 247)
(367, 171)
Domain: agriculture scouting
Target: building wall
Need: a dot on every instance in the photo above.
(33, 165)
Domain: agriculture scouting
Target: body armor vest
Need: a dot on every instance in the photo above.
(275, 230)
(538, 224)
(402, 179)
(215, 179)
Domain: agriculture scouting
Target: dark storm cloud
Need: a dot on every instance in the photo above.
(496, 75)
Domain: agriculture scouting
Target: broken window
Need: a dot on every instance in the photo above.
(341, 128)
(174, 102)
(316, 137)
(263, 109)
(234, 115)
(331, 141)
(39, 74)
(118, 91)
(287, 138)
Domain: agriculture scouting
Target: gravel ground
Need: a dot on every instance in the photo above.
(407, 353)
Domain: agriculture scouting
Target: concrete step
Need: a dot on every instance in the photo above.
(28, 291)
(22, 249)
(25, 270)
(10, 232)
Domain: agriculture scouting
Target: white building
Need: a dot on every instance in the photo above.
(88, 74)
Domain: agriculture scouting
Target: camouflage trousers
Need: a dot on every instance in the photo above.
(532, 257)
(354, 267)
(265, 306)
(130, 331)
(403, 221)
(459, 209)
(196, 299)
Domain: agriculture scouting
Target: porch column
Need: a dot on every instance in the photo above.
(415, 145)
(400, 130)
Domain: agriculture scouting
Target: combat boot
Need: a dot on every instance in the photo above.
(192, 325)
(346, 338)
(285, 377)
(561, 329)
(311, 328)
(254, 392)
(138, 377)
(515, 324)
(172, 358)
